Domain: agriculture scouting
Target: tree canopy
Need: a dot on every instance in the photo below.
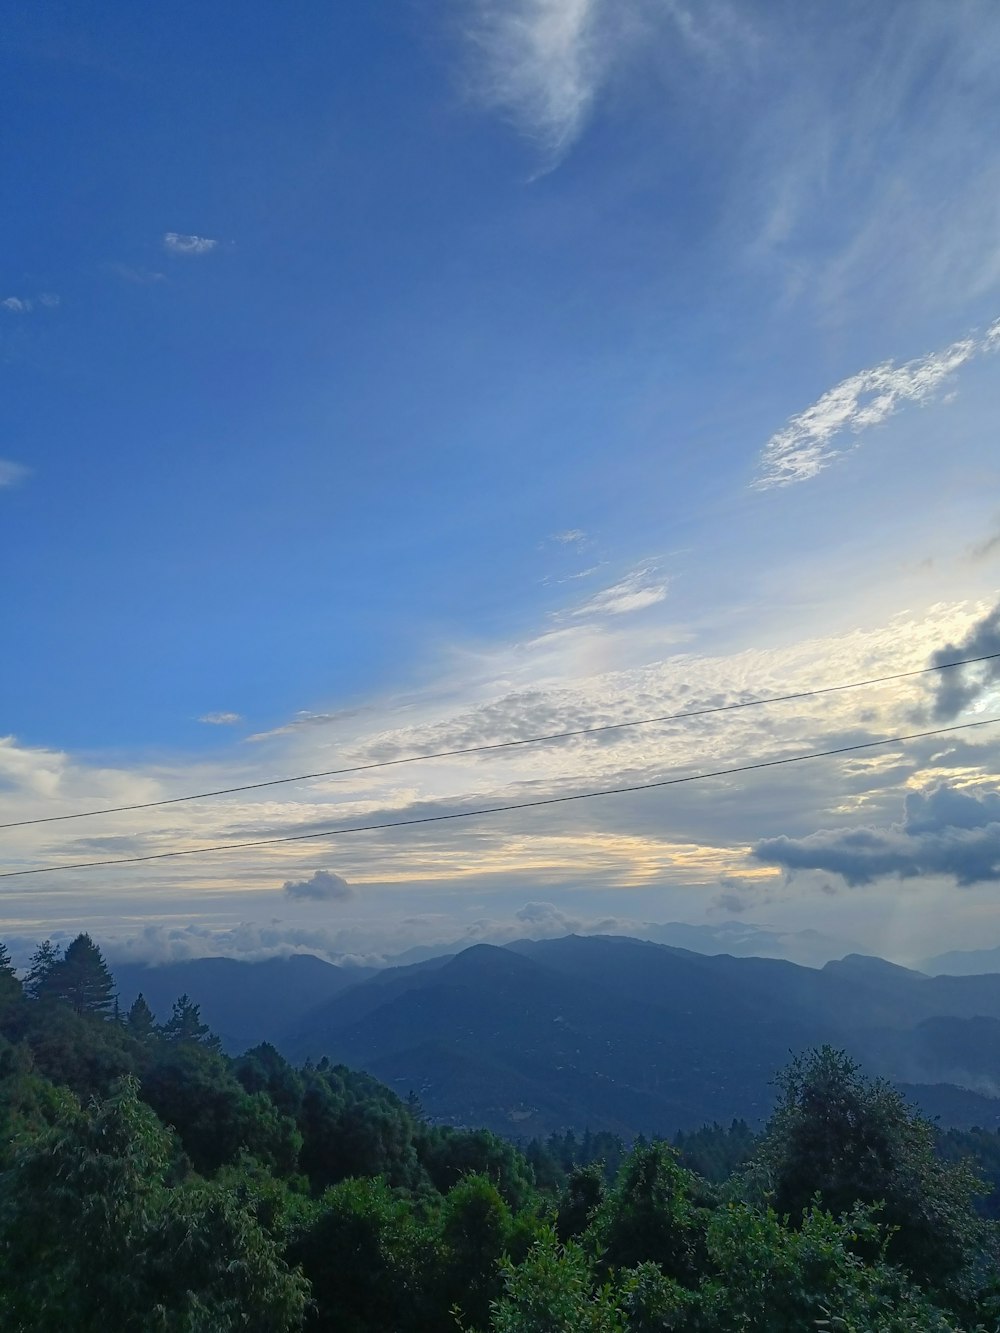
(150, 1182)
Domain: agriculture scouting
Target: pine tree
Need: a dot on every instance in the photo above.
(10, 987)
(40, 967)
(82, 979)
(184, 1024)
(139, 1020)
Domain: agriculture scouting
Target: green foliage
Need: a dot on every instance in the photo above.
(715, 1152)
(192, 1088)
(28, 1102)
(81, 979)
(553, 1291)
(449, 1154)
(475, 1224)
(845, 1139)
(10, 987)
(84, 1052)
(651, 1215)
(353, 1126)
(774, 1279)
(359, 1254)
(40, 965)
(581, 1197)
(204, 1194)
(139, 1020)
(980, 1149)
(184, 1024)
(91, 1238)
(262, 1069)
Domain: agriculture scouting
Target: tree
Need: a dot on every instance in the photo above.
(582, 1196)
(192, 1088)
(651, 1216)
(552, 1291)
(184, 1024)
(766, 1276)
(475, 1223)
(40, 966)
(10, 987)
(359, 1253)
(139, 1020)
(91, 1237)
(844, 1139)
(82, 979)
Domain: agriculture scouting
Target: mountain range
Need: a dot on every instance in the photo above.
(605, 1032)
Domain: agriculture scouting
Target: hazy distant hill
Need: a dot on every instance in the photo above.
(633, 1036)
(743, 939)
(963, 962)
(244, 1003)
(605, 1032)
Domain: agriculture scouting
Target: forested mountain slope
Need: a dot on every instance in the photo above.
(633, 1037)
(151, 1184)
(242, 1002)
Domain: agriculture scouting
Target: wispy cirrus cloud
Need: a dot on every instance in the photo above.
(570, 537)
(543, 64)
(221, 719)
(304, 720)
(814, 438)
(11, 473)
(179, 243)
(142, 277)
(23, 305)
(537, 63)
(639, 589)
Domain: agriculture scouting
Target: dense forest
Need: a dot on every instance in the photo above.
(150, 1182)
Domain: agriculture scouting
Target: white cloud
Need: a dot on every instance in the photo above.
(11, 473)
(544, 63)
(810, 441)
(250, 941)
(142, 277)
(304, 720)
(221, 719)
(642, 588)
(177, 243)
(23, 305)
(537, 62)
(322, 887)
(868, 189)
(571, 537)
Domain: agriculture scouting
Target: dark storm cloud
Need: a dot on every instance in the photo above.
(944, 832)
(956, 689)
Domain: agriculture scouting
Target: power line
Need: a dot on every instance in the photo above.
(502, 745)
(500, 809)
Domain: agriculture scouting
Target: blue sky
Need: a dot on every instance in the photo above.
(378, 374)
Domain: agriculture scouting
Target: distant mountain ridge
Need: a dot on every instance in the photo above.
(742, 939)
(963, 962)
(632, 1036)
(603, 1032)
(243, 1003)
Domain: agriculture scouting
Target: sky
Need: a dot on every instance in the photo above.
(386, 379)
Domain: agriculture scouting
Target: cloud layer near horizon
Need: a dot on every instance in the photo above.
(944, 832)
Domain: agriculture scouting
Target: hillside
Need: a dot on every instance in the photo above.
(243, 1002)
(634, 1037)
